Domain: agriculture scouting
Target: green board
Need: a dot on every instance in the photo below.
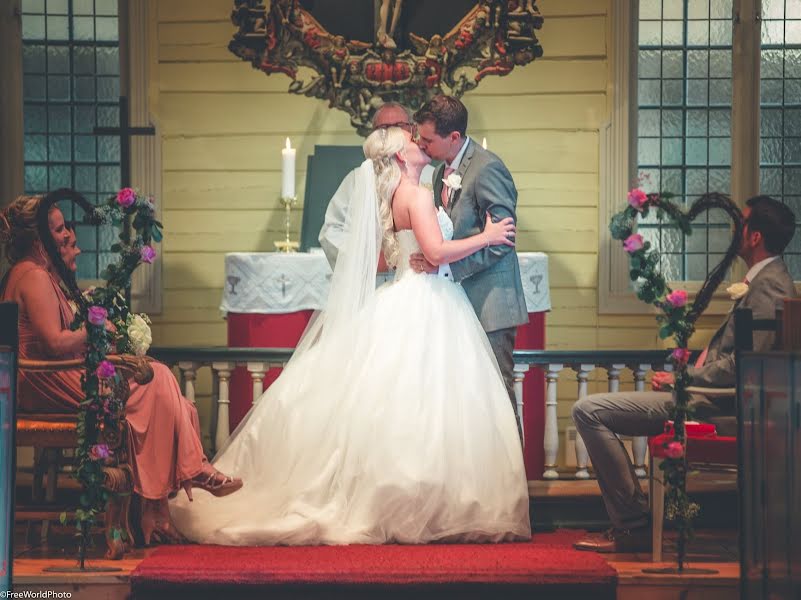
(325, 170)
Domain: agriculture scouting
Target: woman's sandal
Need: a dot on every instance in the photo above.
(156, 531)
(217, 484)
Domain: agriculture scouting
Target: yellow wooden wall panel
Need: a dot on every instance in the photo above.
(546, 152)
(208, 189)
(177, 300)
(554, 76)
(567, 270)
(192, 10)
(197, 113)
(209, 333)
(190, 270)
(574, 37)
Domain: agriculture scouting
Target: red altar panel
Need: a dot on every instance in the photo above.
(284, 331)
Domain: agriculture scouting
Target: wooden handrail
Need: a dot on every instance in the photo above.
(172, 354)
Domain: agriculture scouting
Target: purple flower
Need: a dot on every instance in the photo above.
(674, 450)
(126, 197)
(637, 198)
(100, 452)
(677, 298)
(680, 355)
(105, 370)
(147, 254)
(97, 315)
(633, 243)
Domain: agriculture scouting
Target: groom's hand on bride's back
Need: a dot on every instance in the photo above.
(419, 263)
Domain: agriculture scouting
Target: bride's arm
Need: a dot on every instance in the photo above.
(437, 251)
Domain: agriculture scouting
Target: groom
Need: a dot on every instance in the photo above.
(478, 183)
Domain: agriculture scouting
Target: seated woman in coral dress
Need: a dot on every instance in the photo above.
(166, 452)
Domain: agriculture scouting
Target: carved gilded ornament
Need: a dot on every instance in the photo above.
(355, 76)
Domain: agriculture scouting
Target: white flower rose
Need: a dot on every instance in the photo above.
(453, 182)
(139, 336)
(737, 290)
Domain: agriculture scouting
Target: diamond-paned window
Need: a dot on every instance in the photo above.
(684, 89)
(71, 84)
(780, 113)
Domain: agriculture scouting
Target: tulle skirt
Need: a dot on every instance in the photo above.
(398, 429)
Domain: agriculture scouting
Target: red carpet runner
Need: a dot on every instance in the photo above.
(546, 564)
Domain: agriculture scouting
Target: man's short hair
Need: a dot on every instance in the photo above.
(447, 113)
(389, 105)
(774, 220)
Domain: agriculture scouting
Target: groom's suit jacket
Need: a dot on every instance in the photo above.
(768, 288)
(490, 277)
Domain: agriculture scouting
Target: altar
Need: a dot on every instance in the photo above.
(269, 298)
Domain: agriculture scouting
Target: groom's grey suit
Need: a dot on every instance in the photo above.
(600, 418)
(490, 277)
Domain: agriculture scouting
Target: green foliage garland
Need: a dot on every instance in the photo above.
(104, 388)
(677, 319)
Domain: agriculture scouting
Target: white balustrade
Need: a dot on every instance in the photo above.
(583, 372)
(221, 370)
(520, 374)
(639, 445)
(551, 441)
(257, 371)
(188, 372)
(582, 458)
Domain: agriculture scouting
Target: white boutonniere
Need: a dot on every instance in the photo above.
(453, 182)
(737, 290)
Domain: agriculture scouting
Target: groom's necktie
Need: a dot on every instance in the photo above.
(445, 189)
(702, 358)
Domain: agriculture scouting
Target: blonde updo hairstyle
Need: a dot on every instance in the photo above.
(19, 227)
(381, 146)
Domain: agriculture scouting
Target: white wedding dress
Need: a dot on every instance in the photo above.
(398, 429)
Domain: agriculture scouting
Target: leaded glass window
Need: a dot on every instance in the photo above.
(780, 112)
(71, 83)
(684, 123)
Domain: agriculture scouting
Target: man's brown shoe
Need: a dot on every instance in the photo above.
(617, 540)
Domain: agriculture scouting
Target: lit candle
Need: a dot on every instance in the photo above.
(288, 171)
(484, 144)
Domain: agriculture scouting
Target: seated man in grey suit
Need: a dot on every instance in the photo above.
(769, 227)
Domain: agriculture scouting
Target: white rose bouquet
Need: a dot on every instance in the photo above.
(138, 334)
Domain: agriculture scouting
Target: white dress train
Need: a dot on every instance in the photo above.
(400, 431)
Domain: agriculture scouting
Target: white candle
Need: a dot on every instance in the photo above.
(288, 171)
(484, 143)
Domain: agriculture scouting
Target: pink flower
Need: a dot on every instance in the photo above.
(674, 450)
(680, 355)
(97, 315)
(637, 198)
(677, 298)
(126, 197)
(100, 452)
(633, 243)
(147, 254)
(105, 370)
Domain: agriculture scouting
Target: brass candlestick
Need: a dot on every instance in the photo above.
(288, 245)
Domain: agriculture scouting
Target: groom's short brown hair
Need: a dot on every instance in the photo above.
(447, 113)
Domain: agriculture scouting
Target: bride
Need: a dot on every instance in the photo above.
(391, 423)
